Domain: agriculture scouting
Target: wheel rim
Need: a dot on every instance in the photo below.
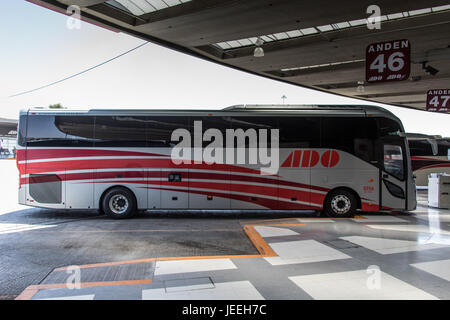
(341, 204)
(118, 204)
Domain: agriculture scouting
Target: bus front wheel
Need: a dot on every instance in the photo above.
(340, 203)
(119, 203)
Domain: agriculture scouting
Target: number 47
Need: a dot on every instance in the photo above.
(435, 101)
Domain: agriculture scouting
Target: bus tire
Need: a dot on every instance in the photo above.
(340, 203)
(119, 203)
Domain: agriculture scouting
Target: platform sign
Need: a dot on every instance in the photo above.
(438, 100)
(388, 61)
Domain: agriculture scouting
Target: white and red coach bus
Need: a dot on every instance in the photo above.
(429, 154)
(335, 159)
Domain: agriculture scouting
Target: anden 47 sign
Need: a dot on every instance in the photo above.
(388, 61)
(438, 100)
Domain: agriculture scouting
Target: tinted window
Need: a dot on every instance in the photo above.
(22, 134)
(443, 148)
(159, 130)
(351, 134)
(48, 131)
(219, 123)
(299, 132)
(256, 123)
(388, 127)
(393, 160)
(420, 148)
(120, 131)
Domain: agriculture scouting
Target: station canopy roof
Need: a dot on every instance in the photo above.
(8, 128)
(319, 44)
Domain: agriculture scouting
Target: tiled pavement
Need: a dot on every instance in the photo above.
(376, 256)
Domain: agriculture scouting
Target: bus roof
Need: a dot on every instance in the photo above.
(259, 110)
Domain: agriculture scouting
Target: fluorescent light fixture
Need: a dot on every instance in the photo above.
(307, 31)
(421, 11)
(360, 22)
(281, 35)
(322, 65)
(325, 28)
(441, 8)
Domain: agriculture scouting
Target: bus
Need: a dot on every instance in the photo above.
(333, 159)
(429, 154)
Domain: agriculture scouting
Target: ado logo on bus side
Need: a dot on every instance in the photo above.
(310, 158)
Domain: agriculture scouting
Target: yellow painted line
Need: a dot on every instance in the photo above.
(27, 294)
(136, 231)
(108, 264)
(263, 248)
(32, 290)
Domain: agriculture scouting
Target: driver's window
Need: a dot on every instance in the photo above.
(393, 160)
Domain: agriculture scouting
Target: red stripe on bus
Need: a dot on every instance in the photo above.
(440, 165)
(127, 163)
(267, 203)
(287, 194)
(192, 175)
(42, 154)
(425, 158)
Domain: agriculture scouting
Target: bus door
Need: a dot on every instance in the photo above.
(393, 173)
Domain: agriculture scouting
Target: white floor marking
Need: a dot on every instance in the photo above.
(183, 266)
(308, 220)
(189, 288)
(389, 246)
(235, 290)
(358, 285)
(440, 268)
(437, 217)
(274, 232)
(411, 228)
(16, 227)
(84, 297)
(382, 218)
(303, 251)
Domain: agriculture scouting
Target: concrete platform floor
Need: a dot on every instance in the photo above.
(80, 255)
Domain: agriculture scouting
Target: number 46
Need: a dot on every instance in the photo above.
(395, 62)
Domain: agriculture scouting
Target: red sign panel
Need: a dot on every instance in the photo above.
(438, 100)
(388, 61)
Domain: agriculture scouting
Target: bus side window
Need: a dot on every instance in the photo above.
(355, 135)
(393, 160)
(364, 149)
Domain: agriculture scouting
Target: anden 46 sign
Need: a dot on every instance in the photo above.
(388, 61)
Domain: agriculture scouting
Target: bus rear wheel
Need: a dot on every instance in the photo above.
(119, 203)
(340, 203)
